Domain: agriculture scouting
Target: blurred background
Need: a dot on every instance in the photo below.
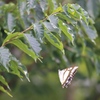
(45, 84)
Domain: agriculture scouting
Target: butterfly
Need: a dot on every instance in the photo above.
(66, 75)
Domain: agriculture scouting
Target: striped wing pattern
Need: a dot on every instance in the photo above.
(66, 75)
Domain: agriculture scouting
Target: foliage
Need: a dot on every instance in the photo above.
(31, 25)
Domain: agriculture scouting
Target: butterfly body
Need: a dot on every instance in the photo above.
(66, 75)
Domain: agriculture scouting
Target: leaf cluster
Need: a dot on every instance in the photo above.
(29, 24)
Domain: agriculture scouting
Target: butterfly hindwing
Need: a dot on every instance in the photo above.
(66, 75)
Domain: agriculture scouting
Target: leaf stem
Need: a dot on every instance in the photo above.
(27, 29)
(31, 27)
(11, 39)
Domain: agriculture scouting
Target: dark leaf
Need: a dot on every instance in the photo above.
(10, 22)
(2, 80)
(12, 36)
(14, 69)
(5, 57)
(90, 31)
(54, 41)
(65, 29)
(24, 48)
(19, 67)
(53, 20)
(39, 31)
(33, 43)
(43, 5)
(50, 27)
(5, 91)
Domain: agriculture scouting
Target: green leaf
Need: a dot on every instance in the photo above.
(12, 36)
(73, 11)
(39, 31)
(2, 79)
(33, 43)
(65, 30)
(22, 7)
(90, 31)
(53, 20)
(30, 5)
(3, 90)
(5, 57)
(58, 9)
(51, 6)
(50, 27)
(24, 48)
(54, 40)
(93, 8)
(10, 22)
(21, 67)
(43, 5)
(8, 61)
(14, 69)
(68, 19)
(78, 12)
(8, 7)
(55, 4)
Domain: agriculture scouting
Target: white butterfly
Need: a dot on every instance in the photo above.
(66, 75)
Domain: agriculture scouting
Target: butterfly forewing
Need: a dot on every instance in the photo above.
(66, 75)
(62, 75)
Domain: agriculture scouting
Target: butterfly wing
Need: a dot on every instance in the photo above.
(66, 75)
(62, 75)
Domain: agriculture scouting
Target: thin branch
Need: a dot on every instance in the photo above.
(29, 28)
